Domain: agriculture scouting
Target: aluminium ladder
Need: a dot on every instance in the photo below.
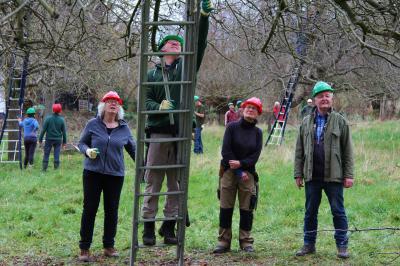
(11, 135)
(277, 132)
(183, 136)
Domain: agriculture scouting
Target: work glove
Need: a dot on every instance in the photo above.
(92, 153)
(206, 7)
(167, 105)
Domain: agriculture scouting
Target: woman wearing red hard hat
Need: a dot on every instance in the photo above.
(103, 141)
(56, 133)
(241, 149)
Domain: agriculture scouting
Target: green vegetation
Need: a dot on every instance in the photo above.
(40, 212)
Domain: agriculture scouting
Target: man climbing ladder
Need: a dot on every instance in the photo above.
(166, 97)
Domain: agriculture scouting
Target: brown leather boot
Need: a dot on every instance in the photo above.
(343, 253)
(305, 250)
(84, 255)
(111, 252)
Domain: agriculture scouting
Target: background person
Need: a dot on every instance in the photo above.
(160, 126)
(241, 149)
(324, 160)
(308, 109)
(56, 133)
(31, 127)
(103, 141)
(200, 113)
(230, 115)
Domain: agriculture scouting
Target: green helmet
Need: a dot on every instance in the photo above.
(321, 86)
(31, 111)
(229, 104)
(170, 37)
(238, 103)
(196, 98)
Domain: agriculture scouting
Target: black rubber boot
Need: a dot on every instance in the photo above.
(149, 237)
(167, 230)
(44, 166)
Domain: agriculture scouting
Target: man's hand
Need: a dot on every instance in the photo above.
(234, 164)
(206, 7)
(245, 176)
(92, 153)
(64, 146)
(166, 105)
(348, 182)
(299, 182)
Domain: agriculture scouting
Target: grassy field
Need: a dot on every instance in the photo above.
(40, 212)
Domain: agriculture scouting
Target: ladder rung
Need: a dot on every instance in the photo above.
(169, 23)
(12, 119)
(164, 111)
(14, 99)
(11, 130)
(19, 78)
(160, 219)
(165, 53)
(156, 167)
(161, 193)
(9, 161)
(162, 140)
(167, 83)
(10, 140)
(154, 246)
(7, 151)
(13, 109)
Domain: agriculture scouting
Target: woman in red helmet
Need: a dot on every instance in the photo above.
(240, 151)
(103, 141)
(56, 133)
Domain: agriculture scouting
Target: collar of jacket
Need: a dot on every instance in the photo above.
(173, 65)
(121, 122)
(246, 124)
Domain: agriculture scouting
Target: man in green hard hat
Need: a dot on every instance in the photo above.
(324, 162)
(165, 126)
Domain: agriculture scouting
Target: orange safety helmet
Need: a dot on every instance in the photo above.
(112, 95)
(57, 108)
(253, 101)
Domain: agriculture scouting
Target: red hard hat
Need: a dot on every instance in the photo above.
(253, 101)
(57, 108)
(112, 95)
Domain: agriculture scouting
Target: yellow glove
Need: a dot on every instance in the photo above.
(166, 105)
(92, 153)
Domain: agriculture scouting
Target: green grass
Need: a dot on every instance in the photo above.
(40, 212)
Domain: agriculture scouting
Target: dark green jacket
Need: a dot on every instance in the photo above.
(339, 161)
(54, 128)
(155, 94)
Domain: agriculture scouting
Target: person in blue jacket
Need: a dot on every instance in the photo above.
(31, 127)
(102, 142)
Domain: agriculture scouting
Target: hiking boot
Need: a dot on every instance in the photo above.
(149, 237)
(167, 230)
(110, 252)
(84, 256)
(306, 249)
(221, 249)
(342, 253)
(248, 249)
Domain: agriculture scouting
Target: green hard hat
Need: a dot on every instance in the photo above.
(321, 86)
(196, 98)
(170, 37)
(30, 111)
(229, 104)
(238, 103)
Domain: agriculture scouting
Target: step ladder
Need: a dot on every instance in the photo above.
(182, 138)
(11, 135)
(277, 132)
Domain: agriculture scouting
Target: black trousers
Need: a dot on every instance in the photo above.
(30, 146)
(111, 186)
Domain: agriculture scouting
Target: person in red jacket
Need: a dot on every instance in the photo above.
(230, 115)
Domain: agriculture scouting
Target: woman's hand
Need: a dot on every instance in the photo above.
(245, 176)
(234, 164)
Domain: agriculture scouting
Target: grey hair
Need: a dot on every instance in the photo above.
(100, 111)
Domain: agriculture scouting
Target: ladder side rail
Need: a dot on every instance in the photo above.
(189, 69)
(8, 102)
(144, 43)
